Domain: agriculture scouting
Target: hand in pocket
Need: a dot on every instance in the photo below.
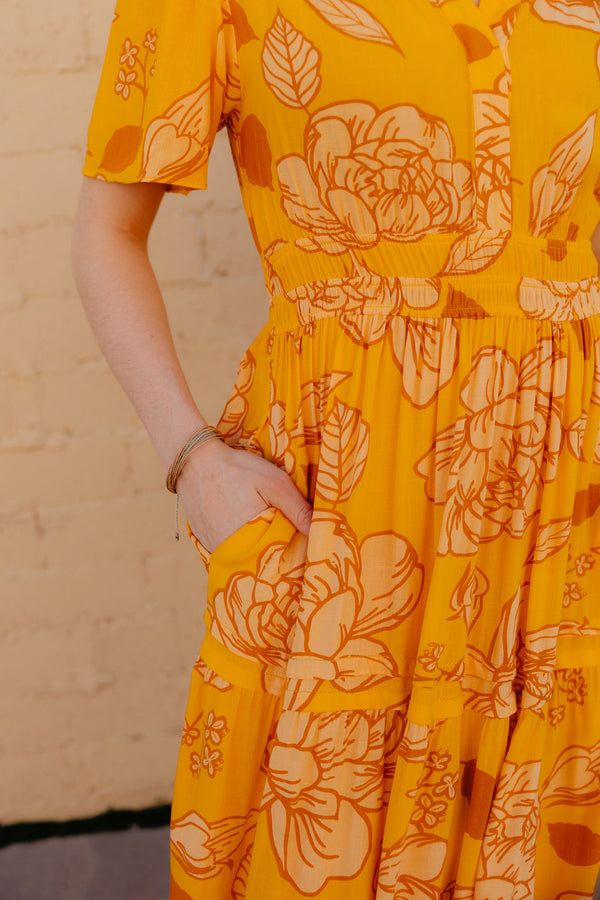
(222, 488)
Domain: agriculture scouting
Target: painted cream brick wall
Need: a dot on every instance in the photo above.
(101, 610)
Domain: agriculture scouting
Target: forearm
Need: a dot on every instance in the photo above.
(125, 308)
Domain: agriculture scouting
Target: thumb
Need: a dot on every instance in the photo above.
(286, 497)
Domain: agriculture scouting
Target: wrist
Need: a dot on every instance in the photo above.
(206, 456)
(173, 435)
(199, 438)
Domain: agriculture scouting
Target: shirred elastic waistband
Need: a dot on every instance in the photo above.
(438, 276)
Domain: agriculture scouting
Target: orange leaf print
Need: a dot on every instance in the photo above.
(550, 539)
(354, 20)
(554, 184)
(290, 64)
(576, 844)
(344, 450)
(477, 45)
(473, 253)
(244, 32)
(122, 148)
(255, 152)
(312, 405)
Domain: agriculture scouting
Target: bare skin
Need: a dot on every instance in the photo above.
(220, 487)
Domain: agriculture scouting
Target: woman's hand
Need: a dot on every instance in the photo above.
(222, 488)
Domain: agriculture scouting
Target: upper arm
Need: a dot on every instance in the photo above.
(127, 208)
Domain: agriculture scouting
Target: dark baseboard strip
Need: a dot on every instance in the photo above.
(113, 820)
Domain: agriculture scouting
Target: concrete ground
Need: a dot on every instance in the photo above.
(125, 865)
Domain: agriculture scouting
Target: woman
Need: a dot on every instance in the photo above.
(397, 695)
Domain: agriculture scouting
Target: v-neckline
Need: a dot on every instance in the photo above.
(483, 14)
(478, 16)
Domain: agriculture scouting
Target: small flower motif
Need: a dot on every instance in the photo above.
(150, 40)
(190, 734)
(211, 761)
(438, 760)
(129, 53)
(447, 786)
(583, 562)
(216, 728)
(124, 80)
(557, 714)
(576, 687)
(571, 593)
(429, 660)
(429, 812)
(195, 764)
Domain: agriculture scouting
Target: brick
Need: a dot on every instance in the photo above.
(45, 36)
(97, 17)
(38, 260)
(87, 590)
(48, 334)
(49, 183)
(67, 468)
(58, 104)
(20, 542)
(36, 665)
(124, 527)
(140, 647)
(176, 247)
(19, 411)
(179, 580)
(12, 297)
(146, 471)
(88, 778)
(90, 401)
(212, 332)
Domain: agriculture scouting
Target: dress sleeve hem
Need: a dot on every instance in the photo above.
(185, 186)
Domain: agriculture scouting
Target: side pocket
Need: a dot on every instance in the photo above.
(254, 582)
(265, 515)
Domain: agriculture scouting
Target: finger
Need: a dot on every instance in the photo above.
(286, 497)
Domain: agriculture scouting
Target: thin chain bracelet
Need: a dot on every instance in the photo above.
(206, 433)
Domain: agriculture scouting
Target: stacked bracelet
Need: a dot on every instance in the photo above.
(206, 433)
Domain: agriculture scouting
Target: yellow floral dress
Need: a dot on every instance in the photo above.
(407, 703)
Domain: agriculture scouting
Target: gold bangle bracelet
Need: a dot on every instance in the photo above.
(206, 433)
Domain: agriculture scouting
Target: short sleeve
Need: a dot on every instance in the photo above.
(167, 85)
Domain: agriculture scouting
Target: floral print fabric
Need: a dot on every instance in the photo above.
(405, 704)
